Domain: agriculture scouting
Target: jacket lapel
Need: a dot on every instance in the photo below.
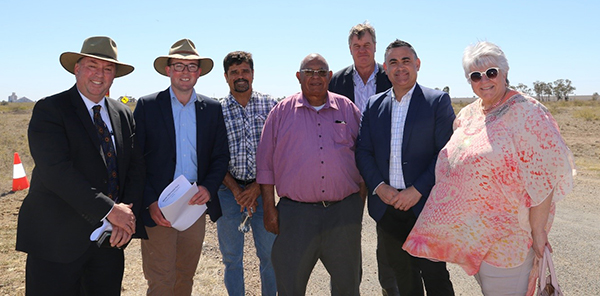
(164, 101)
(84, 116)
(411, 117)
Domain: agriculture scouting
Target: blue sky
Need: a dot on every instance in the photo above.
(543, 40)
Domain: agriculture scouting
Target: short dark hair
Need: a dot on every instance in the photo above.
(237, 57)
(399, 43)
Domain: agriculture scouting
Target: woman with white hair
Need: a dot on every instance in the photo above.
(497, 182)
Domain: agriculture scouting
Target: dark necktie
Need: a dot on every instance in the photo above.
(109, 154)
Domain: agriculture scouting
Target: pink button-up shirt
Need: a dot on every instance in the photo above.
(308, 154)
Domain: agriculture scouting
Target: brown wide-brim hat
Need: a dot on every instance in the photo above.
(186, 50)
(99, 47)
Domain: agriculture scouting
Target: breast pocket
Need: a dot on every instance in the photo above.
(341, 134)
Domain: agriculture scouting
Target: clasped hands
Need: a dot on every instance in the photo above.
(122, 219)
(400, 200)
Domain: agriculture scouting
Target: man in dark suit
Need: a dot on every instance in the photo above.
(365, 77)
(87, 170)
(402, 131)
(359, 82)
(181, 133)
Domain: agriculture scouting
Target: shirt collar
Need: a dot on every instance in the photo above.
(329, 103)
(89, 104)
(230, 99)
(407, 95)
(356, 76)
(193, 98)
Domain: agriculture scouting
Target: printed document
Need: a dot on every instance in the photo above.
(173, 203)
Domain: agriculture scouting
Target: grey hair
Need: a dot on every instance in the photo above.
(484, 54)
(360, 30)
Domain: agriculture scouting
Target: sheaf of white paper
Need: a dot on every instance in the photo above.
(173, 203)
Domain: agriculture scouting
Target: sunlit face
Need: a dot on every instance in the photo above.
(314, 85)
(94, 77)
(240, 77)
(489, 90)
(363, 50)
(401, 67)
(183, 81)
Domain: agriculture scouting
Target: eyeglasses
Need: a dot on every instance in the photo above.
(490, 73)
(311, 72)
(179, 67)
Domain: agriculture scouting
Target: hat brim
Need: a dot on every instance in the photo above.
(206, 64)
(69, 59)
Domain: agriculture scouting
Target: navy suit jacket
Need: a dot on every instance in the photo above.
(69, 184)
(156, 135)
(427, 128)
(342, 82)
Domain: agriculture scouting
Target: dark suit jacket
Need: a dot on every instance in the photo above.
(427, 128)
(342, 82)
(68, 194)
(156, 135)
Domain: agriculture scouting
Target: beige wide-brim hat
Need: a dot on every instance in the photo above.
(186, 50)
(99, 47)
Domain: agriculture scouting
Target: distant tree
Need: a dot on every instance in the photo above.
(446, 89)
(595, 96)
(523, 89)
(548, 90)
(562, 88)
(538, 88)
(437, 88)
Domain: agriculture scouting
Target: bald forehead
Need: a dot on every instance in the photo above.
(314, 59)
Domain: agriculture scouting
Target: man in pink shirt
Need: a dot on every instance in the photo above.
(307, 152)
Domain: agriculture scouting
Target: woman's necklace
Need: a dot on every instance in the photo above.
(486, 110)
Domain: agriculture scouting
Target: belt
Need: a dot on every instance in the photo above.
(244, 182)
(324, 203)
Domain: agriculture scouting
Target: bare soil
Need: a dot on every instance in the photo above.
(575, 236)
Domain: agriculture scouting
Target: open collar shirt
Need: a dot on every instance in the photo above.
(308, 154)
(399, 112)
(184, 118)
(244, 127)
(362, 91)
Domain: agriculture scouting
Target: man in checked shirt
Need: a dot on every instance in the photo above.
(245, 112)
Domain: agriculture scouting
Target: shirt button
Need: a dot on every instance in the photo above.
(323, 191)
(321, 148)
(322, 177)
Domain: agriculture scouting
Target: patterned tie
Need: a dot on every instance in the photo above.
(109, 154)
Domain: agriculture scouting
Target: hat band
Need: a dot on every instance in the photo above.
(100, 55)
(185, 52)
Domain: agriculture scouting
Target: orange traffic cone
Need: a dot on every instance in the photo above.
(19, 178)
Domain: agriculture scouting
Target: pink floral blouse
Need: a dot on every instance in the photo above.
(494, 168)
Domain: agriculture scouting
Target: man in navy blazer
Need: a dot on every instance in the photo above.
(358, 82)
(74, 187)
(402, 131)
(181, 133)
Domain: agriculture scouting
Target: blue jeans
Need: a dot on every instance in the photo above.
(231, 244)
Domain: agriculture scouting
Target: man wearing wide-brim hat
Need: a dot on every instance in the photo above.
(181, 132)
(87, 172)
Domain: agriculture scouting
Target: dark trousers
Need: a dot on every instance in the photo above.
(411, 272)
(99, 271)
(311, 232)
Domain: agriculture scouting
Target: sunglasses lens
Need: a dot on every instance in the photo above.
(322, 73)
(491, 73)
(475, 76)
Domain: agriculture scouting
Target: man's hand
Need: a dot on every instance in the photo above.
(122, 216)
(247, 197)
(387, 193)
(119, 237)
(407, 198)
(201, 197)
(157, 215)
(271, 215)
